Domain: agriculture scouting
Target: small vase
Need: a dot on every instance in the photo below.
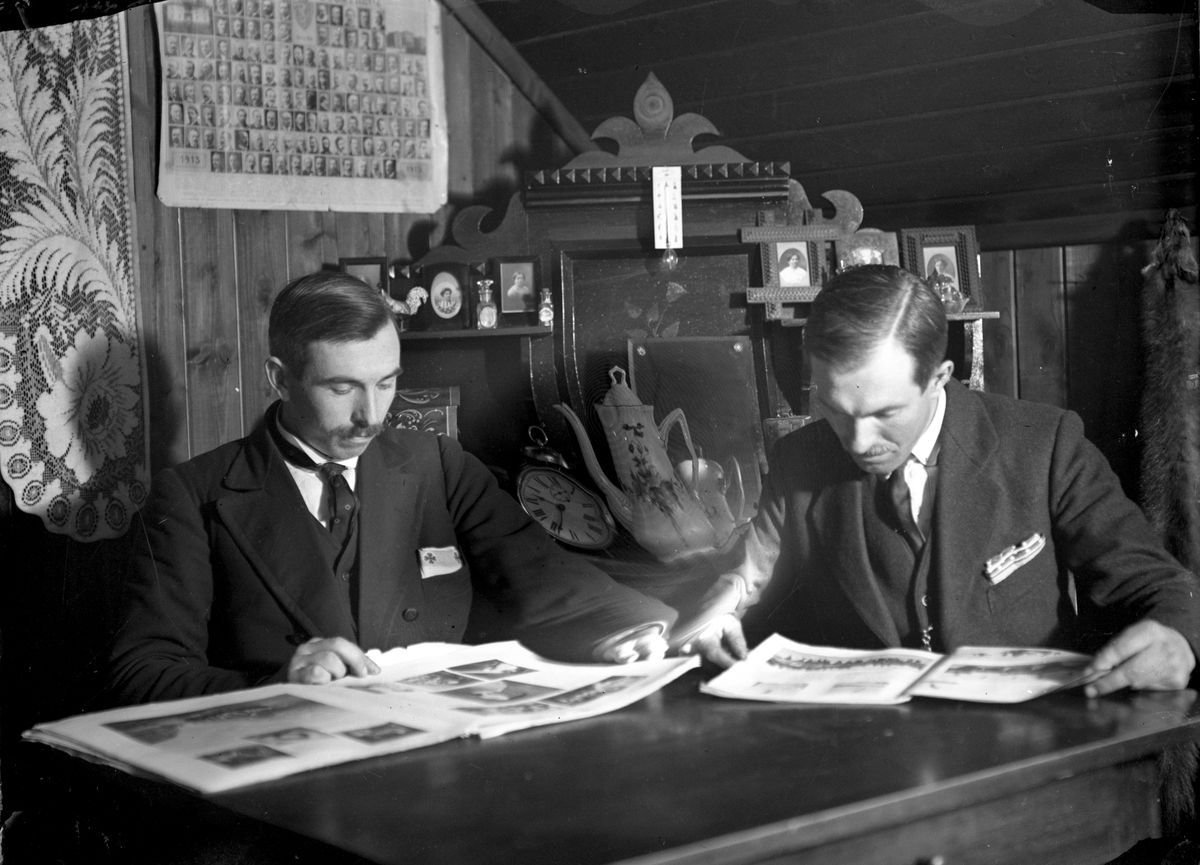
(546, 309)
(485, 312)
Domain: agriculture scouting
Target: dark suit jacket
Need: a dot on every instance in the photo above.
(1007, 469)
(227, 580)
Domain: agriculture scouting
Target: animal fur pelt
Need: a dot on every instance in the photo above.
(1170, 410)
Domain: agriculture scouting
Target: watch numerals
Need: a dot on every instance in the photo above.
(564, 508)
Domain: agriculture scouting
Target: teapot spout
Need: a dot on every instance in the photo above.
(618, 502)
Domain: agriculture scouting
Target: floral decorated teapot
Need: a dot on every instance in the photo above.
(665, 514)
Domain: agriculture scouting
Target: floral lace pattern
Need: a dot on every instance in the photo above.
(72, 419)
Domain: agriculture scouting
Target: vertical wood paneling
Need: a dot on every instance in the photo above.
(311, 241)
(999, 336)
(160, 292)
(536, 144)
(493, 148)
(1104, 348)
(1041, 326)
(460, 129)
(399, 234)
(359, 234)
(1093, 343)
(211, 310)
(261, 242)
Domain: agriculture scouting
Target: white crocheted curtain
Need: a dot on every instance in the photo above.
(72, 412)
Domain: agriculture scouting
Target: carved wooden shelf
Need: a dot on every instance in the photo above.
(571, 186)
(411, 335)
(978, 315)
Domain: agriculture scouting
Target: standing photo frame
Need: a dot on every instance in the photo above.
(450, 298)
(797, 264)
(951, 251)
(867, 246)
(517, 287)
(372, 270)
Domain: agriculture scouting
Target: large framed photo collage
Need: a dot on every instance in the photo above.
(297, 100)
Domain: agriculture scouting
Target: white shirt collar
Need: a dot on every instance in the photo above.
(924, 446)
(315, 455)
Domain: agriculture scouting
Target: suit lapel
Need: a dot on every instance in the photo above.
(837, 513)
(964, 506)
(389, 527)
(268, 520)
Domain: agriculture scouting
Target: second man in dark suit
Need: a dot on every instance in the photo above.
(919, 513)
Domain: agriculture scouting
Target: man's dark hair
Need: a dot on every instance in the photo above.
(861, 308)
(327, 306)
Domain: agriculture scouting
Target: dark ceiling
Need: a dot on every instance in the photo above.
(933, 112)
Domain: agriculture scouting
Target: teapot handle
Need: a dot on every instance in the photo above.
(736, 474)
(664, 430)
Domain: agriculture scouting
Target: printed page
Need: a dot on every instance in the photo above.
(783, 671)
(229, 740)
(501, 687)
(423, 695)
(1002, 675)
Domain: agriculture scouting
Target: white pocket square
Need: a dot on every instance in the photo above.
(1002, 565)
(436, 561)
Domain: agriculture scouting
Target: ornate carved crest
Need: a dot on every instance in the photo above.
(655, 137)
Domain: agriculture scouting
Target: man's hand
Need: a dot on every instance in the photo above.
(323, 659)
(642, 644)
(1146, 656)
(721, 642)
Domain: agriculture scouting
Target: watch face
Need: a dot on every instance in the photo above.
(565, 509)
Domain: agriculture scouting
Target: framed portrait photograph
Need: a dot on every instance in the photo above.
(449, 304)
(373, 271)
(949, 254)
(867, 246)
(516, 285)
(794, 264)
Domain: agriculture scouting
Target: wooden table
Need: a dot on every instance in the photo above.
(686, 778)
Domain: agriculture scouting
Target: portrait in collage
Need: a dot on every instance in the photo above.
(291, 87)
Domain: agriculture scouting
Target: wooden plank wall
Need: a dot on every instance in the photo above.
(209, 276)
(1068, 336)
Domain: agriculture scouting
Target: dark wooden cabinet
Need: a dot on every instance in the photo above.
(588, 228)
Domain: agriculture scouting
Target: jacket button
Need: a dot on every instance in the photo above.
(345, 576)
(410, 615)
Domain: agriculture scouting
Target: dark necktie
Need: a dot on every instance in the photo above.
(342, 502)
(902, 507)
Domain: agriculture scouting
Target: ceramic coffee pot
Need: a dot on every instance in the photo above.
(664, 514)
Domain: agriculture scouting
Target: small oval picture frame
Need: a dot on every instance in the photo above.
(446, 295)
(449, 303)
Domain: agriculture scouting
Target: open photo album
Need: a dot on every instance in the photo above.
(783, 671)
(423, 695)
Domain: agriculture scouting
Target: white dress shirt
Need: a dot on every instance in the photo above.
(312, 486)
(916, 470)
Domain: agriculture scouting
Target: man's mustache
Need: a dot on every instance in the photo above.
(355, 431)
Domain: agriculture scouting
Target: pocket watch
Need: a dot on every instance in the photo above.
(569, 511)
